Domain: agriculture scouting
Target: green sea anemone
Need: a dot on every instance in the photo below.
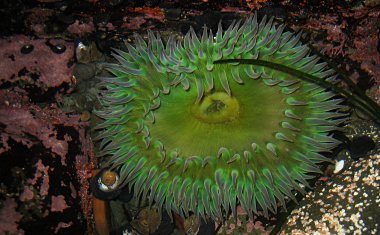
(194, 136)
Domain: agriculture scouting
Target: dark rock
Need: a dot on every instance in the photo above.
(228, 19)
(125, 195)
(207, 228)
(65, 18)
(152, 3)
(56, 48)
(63, 5)
(278, 13)
(26, 49)
(55, 27)
(186, 27)
(87, 51)
(101, 19)
(173, 13)
(166, 226)
(59, 48)
(101, 35)
(360, 146)
(210, 19)
(314, 2)
(84, 71)
(114, 2)
(12, 14)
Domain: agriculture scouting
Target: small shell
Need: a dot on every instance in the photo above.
(108, 181)
(338, 166)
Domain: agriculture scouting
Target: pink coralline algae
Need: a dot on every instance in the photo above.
(352, 35)
(80, 28)
(150, 13)
(84, 169)
(62, 225)
(58, 203)
(58, 154)
(334, 30)
(27, 194)
(41, 175)
(41, 66)
(9, 217)
(23, 121)
(37, 19)
(133, 22)
(366, 42)
(145, 13)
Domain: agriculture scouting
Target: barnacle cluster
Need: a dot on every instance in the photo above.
(194, 136)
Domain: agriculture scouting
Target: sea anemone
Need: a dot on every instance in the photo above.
(194, 136)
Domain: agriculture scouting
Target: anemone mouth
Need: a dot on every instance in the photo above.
(216, 107)
(199, 137)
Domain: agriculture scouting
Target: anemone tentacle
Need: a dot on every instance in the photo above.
(196, 136)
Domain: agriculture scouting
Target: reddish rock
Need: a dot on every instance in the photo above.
(62, 163)
(41, 66)
(27, 194)
(9, 217)
(58, 203)
(81, 28)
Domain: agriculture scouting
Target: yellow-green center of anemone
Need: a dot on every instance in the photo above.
(217, 107)
(194, 136)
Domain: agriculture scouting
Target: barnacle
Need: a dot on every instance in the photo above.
(194, 136)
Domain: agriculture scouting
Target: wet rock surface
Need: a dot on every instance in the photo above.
(45, 158)
(347, 202)
(360, 146)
